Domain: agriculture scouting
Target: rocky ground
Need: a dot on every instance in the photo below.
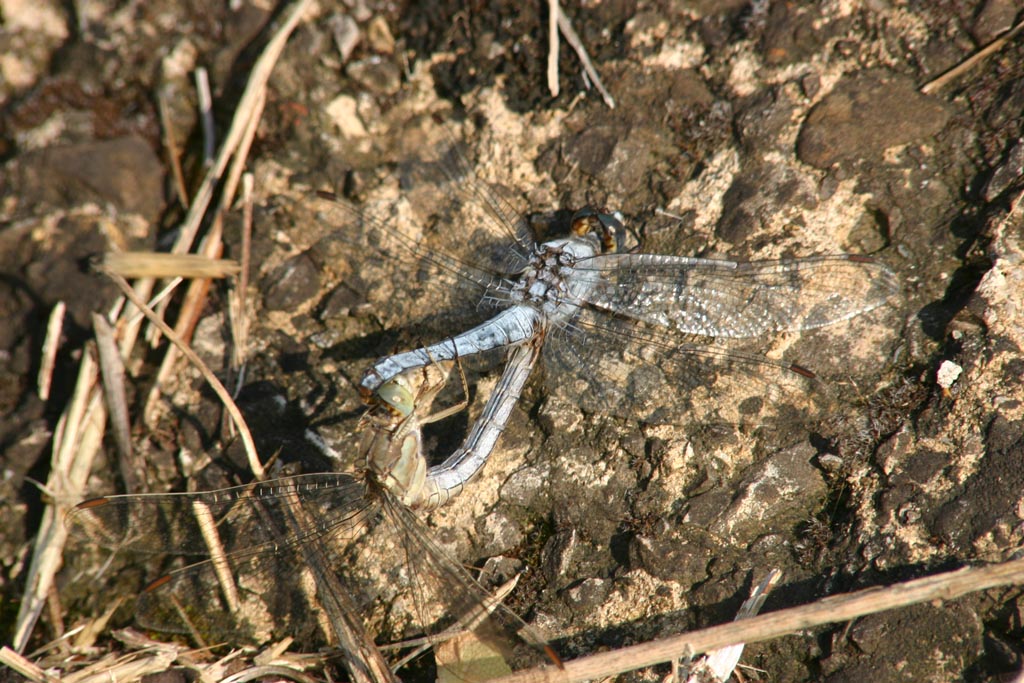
(740, 130)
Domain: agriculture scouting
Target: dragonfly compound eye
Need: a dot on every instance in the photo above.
(607, 226)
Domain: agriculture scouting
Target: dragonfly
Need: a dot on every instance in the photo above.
(242, 542)
(619, 330)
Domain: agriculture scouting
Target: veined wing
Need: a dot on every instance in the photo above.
(405, 275)
(449, 600)
(234, 519)
(451, 245)
(495, 219)
(623, 366)
(728, 299)
(250, 581)
(254, 582)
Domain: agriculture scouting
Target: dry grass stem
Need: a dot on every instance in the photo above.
(206, 115)
(154, 264)
(553, 12)
(211, 379)
(971, 62)
(253, 673)
(237, 304)
(242, 153)
(54, 328)
(837, 608)
(155, 658)
(76, 441)
(236, 147)
(719, 664)
(588, 67)
(254, 91)
(171, 146)
(112, 372)
(191, 308)
(23, 666)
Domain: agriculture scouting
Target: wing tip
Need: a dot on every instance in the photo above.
(802, 371)
(553, 656)
(92, 503)
(157, 583)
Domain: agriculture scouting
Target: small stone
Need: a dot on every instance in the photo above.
(830, 462)
(123, 172)
(558, 554)
(378, 75)
(292, 284)
(1011, 168)
(948, 373)
(378, 35)
(346, 34)
(591, 592)
(781, 491)
(810, 84)
(342, 110)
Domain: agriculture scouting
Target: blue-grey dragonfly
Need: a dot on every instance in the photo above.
(619, 331)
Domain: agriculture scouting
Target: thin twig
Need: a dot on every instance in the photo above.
(553, 12)
(206, 115)
(254, 89)
(719, 664)
(211, 379)
(188, 317)
(131, 322)
(972, 61)
(837, 608)
(574, 40)
(171, 145)
(236, 146)
(237, 299)
(138, 315)
(242, 153)
(212, 248)
(48, 357)
(76, 441)
(29, 670)
(112, 371)
(270, 671)
(55, 610)
(158, 264)
(215, 546)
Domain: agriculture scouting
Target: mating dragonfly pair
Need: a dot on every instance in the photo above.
(616, 328)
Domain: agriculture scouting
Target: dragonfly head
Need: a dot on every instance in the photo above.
(396, 397)
(606, 226)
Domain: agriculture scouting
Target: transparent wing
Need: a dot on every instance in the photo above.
(615, 366)
(491, 216)
(444, 255)
(679, 339)
(736, 300)
(254, 581)
(449, 600)
(249, 584)
(402, 274)
(231, 519)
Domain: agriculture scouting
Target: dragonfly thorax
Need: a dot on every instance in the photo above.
(394, 457)
(549, 279)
